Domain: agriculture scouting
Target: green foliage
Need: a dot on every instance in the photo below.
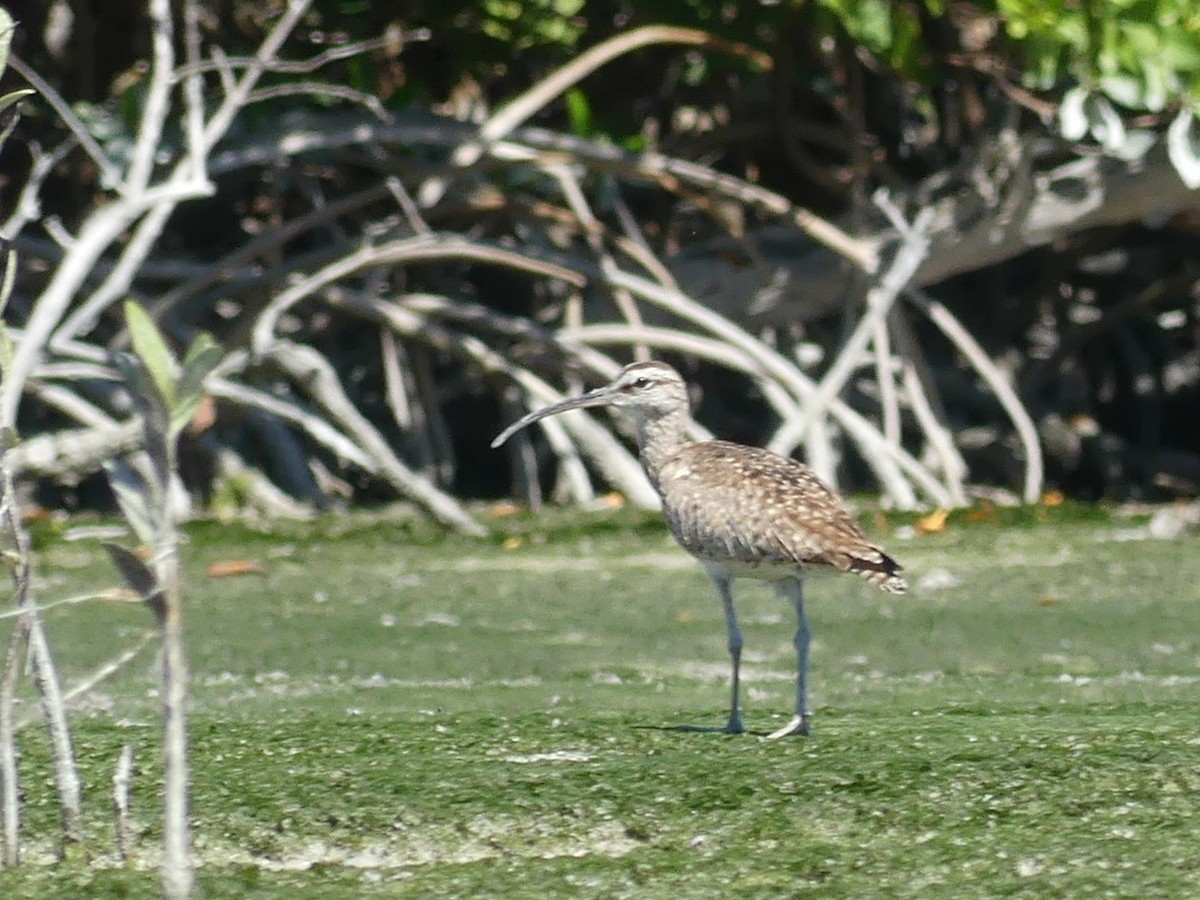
(890, 30)
(8, 112)
(202, 357)
(1101, 58)
(579, 110)
(154, 356)
(9, 101)
(134, 499)
(526, 24)
(1141, 53)
(170, 393)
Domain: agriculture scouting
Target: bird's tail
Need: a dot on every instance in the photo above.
(881, 570)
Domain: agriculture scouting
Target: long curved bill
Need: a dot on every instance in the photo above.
(599, 397)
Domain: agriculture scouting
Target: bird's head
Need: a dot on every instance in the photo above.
(645, 391)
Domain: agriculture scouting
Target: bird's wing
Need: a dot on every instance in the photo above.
(726, 501)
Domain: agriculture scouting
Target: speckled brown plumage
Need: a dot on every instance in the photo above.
(769, 516)
(744, 512)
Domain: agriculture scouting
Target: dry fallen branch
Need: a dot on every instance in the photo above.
(995, 379)
(890, 463)
(879, 300)
(313, 373)
(418, 208)
(421, 248)
(622, 470)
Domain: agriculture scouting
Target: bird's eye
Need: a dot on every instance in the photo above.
(641, 383)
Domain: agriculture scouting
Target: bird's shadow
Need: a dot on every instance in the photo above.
(702, 729)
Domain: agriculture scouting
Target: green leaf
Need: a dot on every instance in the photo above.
(134, 497)
(144, 391)
(10, 114)
(579, 111)
(153, 353)
(14, 97)
(875, 22)
(202, 357)
(1072, 117)
(6, 32)
(1183, 148)
(1124, 89)
(139, 576)
(1104, 123)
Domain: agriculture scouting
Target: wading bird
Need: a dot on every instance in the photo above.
(743, 512)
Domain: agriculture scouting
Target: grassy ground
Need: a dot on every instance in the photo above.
(386, 713)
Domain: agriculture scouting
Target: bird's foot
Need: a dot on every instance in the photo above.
(797, 725)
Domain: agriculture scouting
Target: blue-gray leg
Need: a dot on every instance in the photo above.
(793, 589)
(724, 588)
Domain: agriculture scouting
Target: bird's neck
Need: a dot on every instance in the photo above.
(658, 440)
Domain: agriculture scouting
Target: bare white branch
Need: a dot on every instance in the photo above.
(996, 380)
(157, 104)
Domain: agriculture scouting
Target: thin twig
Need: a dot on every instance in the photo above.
(99, 230)
(313, 425)
(890, 463)
(29, 205)
(521, 108)
(122, 780)
(620, 468)
(156, 104)
(406, 250)
(310, 370)
(884, 377)
(914, 246)
(109, 668)
(394, 38)
(193, 90)
(72, 404)
(918, 386)
(593, 234)
(318, 89)
(154, 213)
(45, 674)
(940, 316)
(272, 239)
(940, 439)
(10, 785)
(54, 708)
(110, 175)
